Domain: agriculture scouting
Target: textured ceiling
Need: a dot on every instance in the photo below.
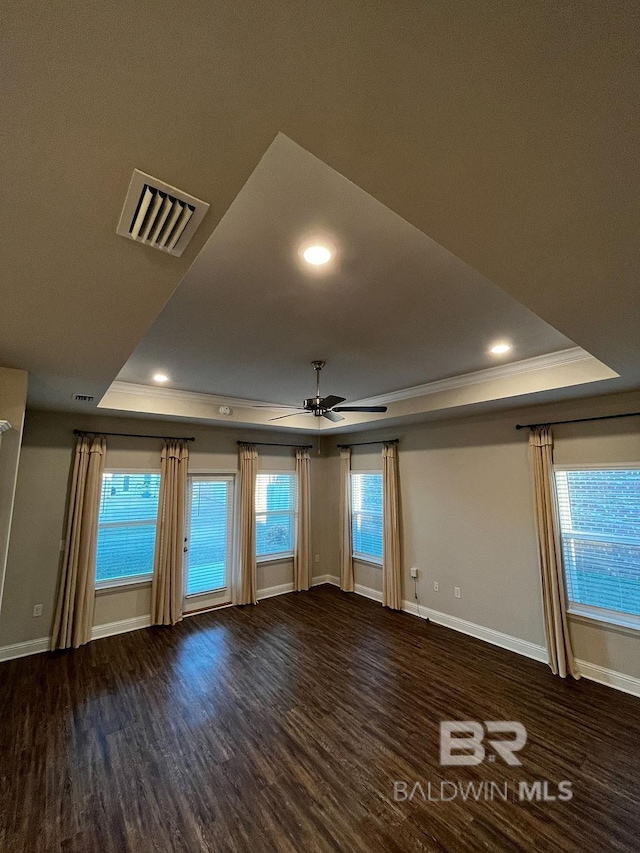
(505, 131)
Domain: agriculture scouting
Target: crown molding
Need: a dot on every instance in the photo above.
(489, 374)
(548, 361)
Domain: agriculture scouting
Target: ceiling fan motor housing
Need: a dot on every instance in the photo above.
(312, 404)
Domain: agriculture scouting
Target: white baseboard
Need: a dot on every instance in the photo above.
(270, 591)
(320, 579)
(609, 677)
(367, 592)
(489, 635)
(23, 650)
(98, 632)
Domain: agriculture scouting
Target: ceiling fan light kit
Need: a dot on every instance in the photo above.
(326, 407)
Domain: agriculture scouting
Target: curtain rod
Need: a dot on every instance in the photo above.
(580, 420)
(362, 443)
(132, 435)
(274, 444)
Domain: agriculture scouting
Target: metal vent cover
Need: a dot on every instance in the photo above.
(158, 215)
(83, 398)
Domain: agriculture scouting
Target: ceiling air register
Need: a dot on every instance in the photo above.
(159, 215)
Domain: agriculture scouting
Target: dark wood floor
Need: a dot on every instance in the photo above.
(283, 727)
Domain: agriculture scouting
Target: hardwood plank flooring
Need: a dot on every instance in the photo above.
(283, 727)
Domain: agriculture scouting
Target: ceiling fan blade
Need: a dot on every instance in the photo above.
(292, 415)
(274, 406)
(331, 401)
(360, 409)
(331, 416)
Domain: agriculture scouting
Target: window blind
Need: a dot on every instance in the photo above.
(126, 525)
(366, 515)
(275, 514)
(208, 534)
(599, 514)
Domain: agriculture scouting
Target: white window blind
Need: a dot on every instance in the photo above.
(208, 534)
(599, 512)
(366, 515)
(126, 526)
(275, 514)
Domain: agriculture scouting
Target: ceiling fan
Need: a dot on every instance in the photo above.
(323, 407)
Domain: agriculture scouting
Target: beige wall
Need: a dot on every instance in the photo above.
(468, 516)
(34, 554)
(13, 400)
(467, 507)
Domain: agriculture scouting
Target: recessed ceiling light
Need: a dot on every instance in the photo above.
(317, 255)
(500, 349)
(160, 377)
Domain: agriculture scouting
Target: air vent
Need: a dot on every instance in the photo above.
(158, 215)
(83, 398)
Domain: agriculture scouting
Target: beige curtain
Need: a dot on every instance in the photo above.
(391, 567)
(76, 594)
(302, 558)
(246, 582)
(346, 551)
(167, 586)
(561, 658)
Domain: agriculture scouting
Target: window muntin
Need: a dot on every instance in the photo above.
(599, 512)
(126, 527)
(366, 515)
(275, 515)
(207, 563)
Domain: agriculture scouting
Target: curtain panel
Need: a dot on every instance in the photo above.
(245, 585)
(346, 549)
(554, 599)
(167, 587)
(76, 594)
(302, 558)
(391, 566)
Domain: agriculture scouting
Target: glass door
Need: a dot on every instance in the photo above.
(207, 556)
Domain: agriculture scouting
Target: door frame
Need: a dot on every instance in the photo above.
(216, 598)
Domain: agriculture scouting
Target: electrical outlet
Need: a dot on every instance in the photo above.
(317, 558)
(414, 572)
(456, 592)
(436, 586)
(37, 610)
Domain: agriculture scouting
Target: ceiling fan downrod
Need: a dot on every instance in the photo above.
(317, 366)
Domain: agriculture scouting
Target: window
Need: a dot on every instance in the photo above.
(275, 515)
(599, 510)
(208, 534)
(126, 527)
(366, 516)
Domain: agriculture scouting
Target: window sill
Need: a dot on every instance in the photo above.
(368, 560)
(626, 624)
(121, 584)
(192, 595)
(274, 558)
